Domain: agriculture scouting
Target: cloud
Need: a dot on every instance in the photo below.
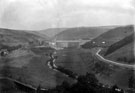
(20, 14)
(42, 14)
(93, 18)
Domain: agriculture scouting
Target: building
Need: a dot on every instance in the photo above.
(62, 44)
(67, 43)
(73, 44)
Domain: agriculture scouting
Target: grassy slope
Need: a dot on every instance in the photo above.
(51, 32)
(120, 44)
(40, 35)
(31, 68)
(122, 49)
(11, 88)
(81, 61)
(8, 36)
(35, 70)
(71, 59)
(26, 65)
(127, 51)
(110, 37)
(81, 33)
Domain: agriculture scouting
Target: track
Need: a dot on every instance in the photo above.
(101, 58)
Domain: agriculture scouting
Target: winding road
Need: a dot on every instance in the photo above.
(101, 58)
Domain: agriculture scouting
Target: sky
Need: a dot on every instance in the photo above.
(43, 14)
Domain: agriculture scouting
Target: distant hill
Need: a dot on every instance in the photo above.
(40, 35)
(15, 37)
(108, 38)
(81, 33)
(51, 32)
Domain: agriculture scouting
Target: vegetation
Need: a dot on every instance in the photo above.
(9, 48)
(42, 50)
(85, 84)
(125, 59)
(132, 82)
(67, 72)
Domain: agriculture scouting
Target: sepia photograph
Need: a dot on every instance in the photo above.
(67, 46)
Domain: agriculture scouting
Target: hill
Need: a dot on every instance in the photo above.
(16, 37)
(108, 38)
(120, 44)
(40, 35)
(122, 50)
(51, 32)
(124, 54)
(81, 33)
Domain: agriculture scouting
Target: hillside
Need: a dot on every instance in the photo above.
(120, 44)
(122, 51)
(51, 32)
(81, 33)
(40, 35)
(15, 37)
(124, 54)
(108, 38)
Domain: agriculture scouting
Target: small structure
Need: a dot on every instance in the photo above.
(103, 42)
(74, 44)
(93, 42)
(3, 52)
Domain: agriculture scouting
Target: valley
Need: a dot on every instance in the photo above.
(77, 51)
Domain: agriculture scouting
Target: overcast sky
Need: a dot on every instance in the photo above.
(42, 14)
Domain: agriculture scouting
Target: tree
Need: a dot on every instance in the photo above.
(131, 82)
(38, 89)
(85, 84)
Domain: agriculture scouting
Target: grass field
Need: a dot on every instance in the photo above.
(82, 61)
(33, 71)
(32, 68)
(72, 59)
(11, 88)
